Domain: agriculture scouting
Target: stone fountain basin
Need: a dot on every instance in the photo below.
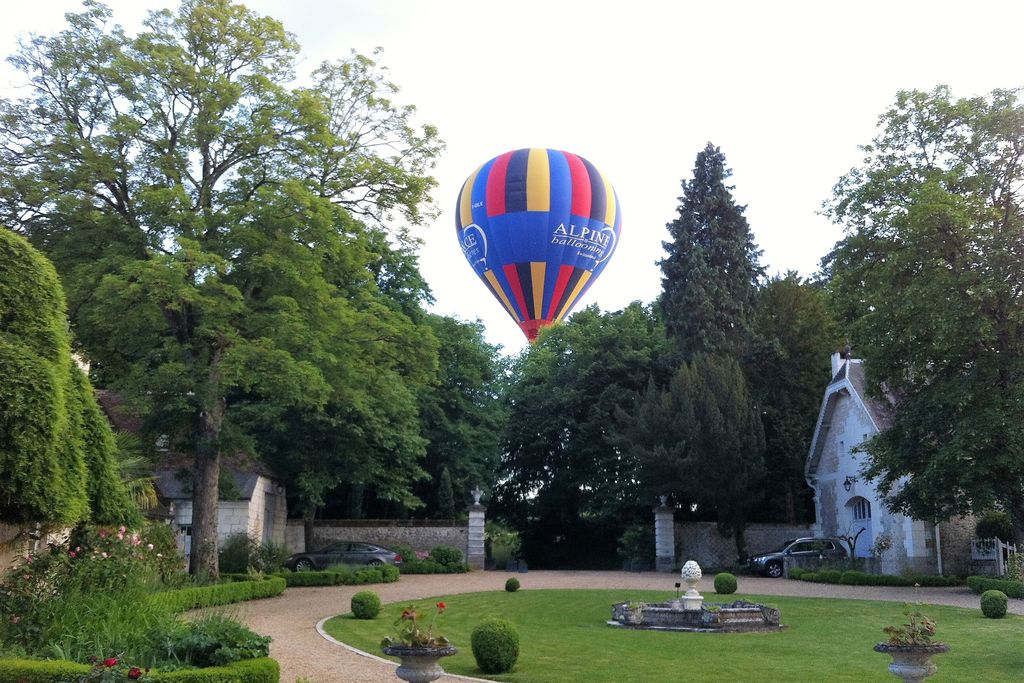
(739, 616)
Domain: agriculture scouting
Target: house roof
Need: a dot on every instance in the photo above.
(123, 418)
(172, 486)
(849, 380)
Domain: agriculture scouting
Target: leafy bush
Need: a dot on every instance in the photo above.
(241, 552)
(87, 597)
(980, 584)
(995, 524)
(858, 578)
(365, 605)
(637, 543)
(446, 555)
(495, 644)
(210, 641)
(512, 585)
(796, 572)
(993, 604)
(725, 583)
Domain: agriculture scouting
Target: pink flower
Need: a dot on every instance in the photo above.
(103, 533)
(73, 554)
(136, 540)
(110, 661)
(134, 673)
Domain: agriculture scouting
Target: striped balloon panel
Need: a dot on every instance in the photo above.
(538, 226)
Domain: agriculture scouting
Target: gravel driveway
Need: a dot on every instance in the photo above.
(302, 652)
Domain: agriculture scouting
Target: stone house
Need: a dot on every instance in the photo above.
(254, 505)
(846, 504)
(252, 500)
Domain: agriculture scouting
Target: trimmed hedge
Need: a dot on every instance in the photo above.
(858, 578)
(342, 577)
(264, 670)
(183, 599)
(980, 584)
(432, 567)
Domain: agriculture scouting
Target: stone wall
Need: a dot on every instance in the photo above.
(701, 541)
(419, 534)
(955, 537)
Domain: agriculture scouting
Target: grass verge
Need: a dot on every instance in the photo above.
(564, 637)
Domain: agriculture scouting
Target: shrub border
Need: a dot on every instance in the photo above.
(262, 670)
(183, 599)
(980, 584)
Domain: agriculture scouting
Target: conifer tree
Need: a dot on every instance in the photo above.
(710, 271)
(445, 495)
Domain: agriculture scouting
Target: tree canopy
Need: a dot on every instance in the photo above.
(710, 271)
(929, 279)
(198, 209)
(564, 478)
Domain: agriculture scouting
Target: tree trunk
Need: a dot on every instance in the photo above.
(790, 504)
(205, 490)
(741, 542)
(307, 527)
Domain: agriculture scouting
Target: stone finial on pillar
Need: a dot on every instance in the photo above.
(475, 554)
(664, 537)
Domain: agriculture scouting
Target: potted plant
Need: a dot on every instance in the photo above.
(911, 646)
(420, 649)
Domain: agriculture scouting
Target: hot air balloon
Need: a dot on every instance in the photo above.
(538, 226)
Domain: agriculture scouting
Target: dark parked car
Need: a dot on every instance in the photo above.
(770, 563)
(342, 552)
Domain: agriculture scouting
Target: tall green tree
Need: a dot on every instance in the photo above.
(565, 480)
(700, 441)
(930, 278)
(462, 412)
(796, 334)
(150, 167)
(57, 453)
(710, 272)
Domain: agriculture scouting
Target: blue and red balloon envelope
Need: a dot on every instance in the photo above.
(538, 226)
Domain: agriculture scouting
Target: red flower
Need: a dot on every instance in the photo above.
(110, 661)
(73, 554)
(134, 672)
(441, 605)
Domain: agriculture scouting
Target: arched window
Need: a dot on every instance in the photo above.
(861, 509)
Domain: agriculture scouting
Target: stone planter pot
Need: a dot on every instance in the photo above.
(419, 664)
(912, 662)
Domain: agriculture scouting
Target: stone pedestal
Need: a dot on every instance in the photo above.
(664, 538)
(475, 550)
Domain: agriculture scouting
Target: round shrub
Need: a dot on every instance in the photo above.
(512, 585)
(993, 604)
(495, 645)
(365, 605)
(725, 583)
(446, 555)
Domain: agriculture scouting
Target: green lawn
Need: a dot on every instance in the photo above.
(564, 638)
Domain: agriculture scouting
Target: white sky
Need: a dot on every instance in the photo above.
(788, 90)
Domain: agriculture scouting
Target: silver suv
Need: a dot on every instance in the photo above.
(770, 563)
